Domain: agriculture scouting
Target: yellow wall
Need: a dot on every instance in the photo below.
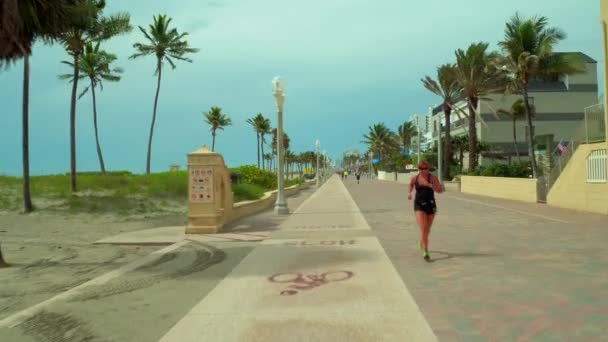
(571, 189)
(517, 189)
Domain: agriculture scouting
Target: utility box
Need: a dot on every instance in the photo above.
(209, 192)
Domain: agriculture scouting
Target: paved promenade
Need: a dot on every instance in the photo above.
(502, 270)
(322, 277)
(345, 266)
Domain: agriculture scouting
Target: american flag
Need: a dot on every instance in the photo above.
(561, 147)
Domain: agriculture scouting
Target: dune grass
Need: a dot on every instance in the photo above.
(120, 192)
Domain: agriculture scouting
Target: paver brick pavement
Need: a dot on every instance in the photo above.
(501, 270)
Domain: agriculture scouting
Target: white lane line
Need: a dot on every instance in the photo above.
(506, 208)
(19, 317)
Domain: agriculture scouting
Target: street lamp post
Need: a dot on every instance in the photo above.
(439, 151)
(280, 206)
(324, 163)
(318, 148)
(418, 127)
(371, 156)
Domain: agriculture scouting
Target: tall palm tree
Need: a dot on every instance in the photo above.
(380, 139)
(447, 87)
(21, 23)
(94, 64)
(265, 128)
(286, 141)
(259, 123)
(477, 76)
(516, 112)
(268, 158)
(406, 131)
(165, 44)
(217, 120)
(91, 27)
(528, 46)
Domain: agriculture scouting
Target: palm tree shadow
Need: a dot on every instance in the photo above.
(448, 255)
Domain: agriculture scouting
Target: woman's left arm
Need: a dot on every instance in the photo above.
(436, 185)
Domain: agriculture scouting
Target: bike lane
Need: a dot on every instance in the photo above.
(322, 277)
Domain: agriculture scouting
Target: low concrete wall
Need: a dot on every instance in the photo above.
(382, 175)
(519, 189)
(452, 186)
(247, 208)
(571, 189)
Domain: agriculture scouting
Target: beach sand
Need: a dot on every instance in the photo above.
(52, 252)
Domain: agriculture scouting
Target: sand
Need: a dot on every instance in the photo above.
(53, 252)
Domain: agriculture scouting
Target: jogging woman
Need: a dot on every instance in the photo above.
(424, 204)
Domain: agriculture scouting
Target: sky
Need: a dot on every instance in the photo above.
(346, 64)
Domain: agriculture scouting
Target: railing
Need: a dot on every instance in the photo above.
(595, 123)
(597, 163)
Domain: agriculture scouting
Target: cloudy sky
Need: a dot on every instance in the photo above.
(346, 64)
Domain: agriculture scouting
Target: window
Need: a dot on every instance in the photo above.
(597, 167)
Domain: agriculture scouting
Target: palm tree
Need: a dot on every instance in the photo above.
(21, 23)
(450, 91)
(406, 132)
(268, 158)
(478, 77)
(285, 146)
(217, 120)
(165, 44)
(528, 45)
(86, 28)
(380, 139)
(94, 64)
(517, 112)
(265, 128)
(259, 124)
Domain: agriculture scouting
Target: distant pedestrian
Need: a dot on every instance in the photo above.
(425, 207)
(358, 175)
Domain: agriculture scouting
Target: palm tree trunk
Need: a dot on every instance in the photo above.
(73, 124)
(99, 154)
(447, 151)
(515, 138)
(530, 133)
(472, 104)
(262, 146)
(25, 150)
(213, 143)
(149, 156)
(257, 135)
(461, 158)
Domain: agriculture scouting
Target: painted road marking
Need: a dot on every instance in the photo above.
(308, 282)
(506, 208)
(19, 317)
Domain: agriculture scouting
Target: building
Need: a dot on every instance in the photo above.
(560, 109)
(424, 121)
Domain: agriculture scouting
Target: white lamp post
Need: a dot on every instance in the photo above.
(317, 173)
(280, 206)
(324, 163)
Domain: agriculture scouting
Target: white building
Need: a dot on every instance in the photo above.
(560, 105)
(424, 122)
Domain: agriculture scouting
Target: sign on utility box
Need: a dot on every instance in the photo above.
(209, 192)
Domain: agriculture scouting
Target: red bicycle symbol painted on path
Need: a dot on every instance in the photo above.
(301, 281)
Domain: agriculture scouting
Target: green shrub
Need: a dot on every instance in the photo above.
(247, 192)
(516, 170)
(292, 182)
(253, 175)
